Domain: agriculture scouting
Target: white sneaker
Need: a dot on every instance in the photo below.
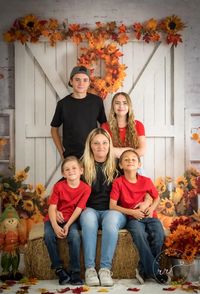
(91, 278)
(105, 277)
(139, 277)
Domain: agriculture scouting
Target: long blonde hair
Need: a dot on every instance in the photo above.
(131, 139)
(109, 166)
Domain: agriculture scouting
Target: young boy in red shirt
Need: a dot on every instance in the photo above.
(128, 191)
(69, 197)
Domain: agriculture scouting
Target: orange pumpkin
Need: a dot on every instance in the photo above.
(165, 220)
(30, 222)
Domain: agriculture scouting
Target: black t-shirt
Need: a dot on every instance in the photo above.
(78, 117)
(100, 195)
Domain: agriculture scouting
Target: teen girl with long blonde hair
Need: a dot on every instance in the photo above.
(126, 132)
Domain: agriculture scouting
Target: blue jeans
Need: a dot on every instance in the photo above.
(73, 239)
(148, 236)
(110, 221)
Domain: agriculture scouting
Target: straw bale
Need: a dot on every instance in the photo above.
(37, 262)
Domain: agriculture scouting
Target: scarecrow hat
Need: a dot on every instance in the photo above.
(9, 212)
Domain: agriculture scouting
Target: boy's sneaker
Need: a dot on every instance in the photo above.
(163, 279)
(91, 278)
(139, 276)
(63, 276)
(105, 277)
(75, 279)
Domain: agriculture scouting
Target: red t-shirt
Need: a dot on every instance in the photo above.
(128, 195)
(67, 198)
(122, 131)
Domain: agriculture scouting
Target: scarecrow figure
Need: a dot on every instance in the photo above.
(11, 237)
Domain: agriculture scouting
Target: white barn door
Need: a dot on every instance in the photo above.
(154, 81)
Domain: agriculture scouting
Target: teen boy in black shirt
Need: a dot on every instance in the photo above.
(78, 113)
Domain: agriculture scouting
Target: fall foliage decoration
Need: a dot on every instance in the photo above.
(150, 31)
(30, 202)
(183, 241)
(102, 42)
(114, 71)
(3, 142)
(179, 197)
(196, 134)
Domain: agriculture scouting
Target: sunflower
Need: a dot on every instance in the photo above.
(181, 182)
(160, 185)
(30, 23)
(40, 190)
(20, 176)
(168, 179)
(28, 205)
(177, 195)
(14, 198)
(172, 24)
(167, 207)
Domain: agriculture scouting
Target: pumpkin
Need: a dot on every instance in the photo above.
(165, 220)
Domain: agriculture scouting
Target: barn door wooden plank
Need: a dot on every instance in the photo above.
(50, 72)
(179, 159)
(20, 101)
(149, 66)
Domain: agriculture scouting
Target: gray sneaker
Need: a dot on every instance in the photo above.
(105, 277)
(139, 277)
(91, 278)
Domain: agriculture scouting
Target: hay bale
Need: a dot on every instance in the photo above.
(38, 265)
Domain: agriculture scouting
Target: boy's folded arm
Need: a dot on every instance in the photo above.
(136, 213)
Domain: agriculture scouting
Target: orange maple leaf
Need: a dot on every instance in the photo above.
(9, 37)
(45, 33)
(123, 39)
(77, 38)
(151, 24)
(122, 28)
(137, 27)
(52, 24)
(174, 39)
(74, 27)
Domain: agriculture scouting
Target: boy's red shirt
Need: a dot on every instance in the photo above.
(128, 195)
(67, 198)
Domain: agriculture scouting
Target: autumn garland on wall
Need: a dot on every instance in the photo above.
(102, 42)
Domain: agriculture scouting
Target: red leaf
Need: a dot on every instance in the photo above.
(63, 290)
(78, 290)
(169, 289)
(133, 289)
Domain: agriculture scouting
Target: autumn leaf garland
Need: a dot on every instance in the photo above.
(102, 42)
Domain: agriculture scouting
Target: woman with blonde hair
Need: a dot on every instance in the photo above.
(125, 130)
(99, 172)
